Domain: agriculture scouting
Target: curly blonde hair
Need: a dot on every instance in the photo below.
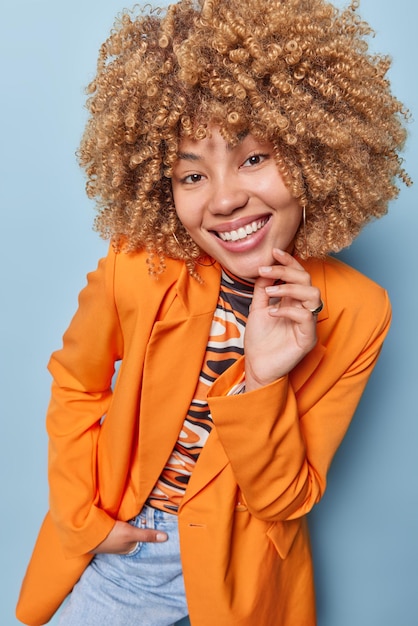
(295, 72)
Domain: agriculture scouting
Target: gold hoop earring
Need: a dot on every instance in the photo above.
(176, 240)
(305, 239)
(206, 264)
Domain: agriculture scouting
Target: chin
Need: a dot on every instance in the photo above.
(248, 273)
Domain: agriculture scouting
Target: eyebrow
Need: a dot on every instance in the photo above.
(192, 156)
(189, 156)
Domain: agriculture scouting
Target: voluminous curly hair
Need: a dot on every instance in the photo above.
(295, 72)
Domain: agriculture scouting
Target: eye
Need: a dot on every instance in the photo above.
(191, 179)
(255, 159)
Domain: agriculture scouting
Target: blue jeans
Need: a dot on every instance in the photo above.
(142, 588)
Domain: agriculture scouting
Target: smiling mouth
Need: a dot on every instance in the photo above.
(244, 231)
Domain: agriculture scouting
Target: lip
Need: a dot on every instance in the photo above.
(239, 223)
(248, 243)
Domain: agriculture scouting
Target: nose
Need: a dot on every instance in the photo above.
(227, 196)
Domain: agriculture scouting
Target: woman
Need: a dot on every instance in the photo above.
(230, 147)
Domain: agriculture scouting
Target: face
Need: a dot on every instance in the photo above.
(233, 202)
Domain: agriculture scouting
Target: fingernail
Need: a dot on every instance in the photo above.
(279, 252)
(265, 268)
(161, 537)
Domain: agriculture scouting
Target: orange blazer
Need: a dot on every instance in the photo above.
(243, 533)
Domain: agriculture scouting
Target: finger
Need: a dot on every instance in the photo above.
(123, 537)
(303, 322)
(307, 297)
(261, 299)
(286, 259)
(287, 268)
(144, 535)
(286, 274)
(148, 535)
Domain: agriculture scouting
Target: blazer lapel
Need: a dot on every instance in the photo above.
(211, 462)
(172, 365)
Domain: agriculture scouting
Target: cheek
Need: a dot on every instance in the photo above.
(186, 216)
(178, 205)
(187, 210)
(294, 220)
(289, 215)
(183, 215)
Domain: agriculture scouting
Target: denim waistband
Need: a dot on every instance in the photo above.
(153, 515)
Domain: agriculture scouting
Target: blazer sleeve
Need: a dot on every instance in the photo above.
(281, 441)
(82, 374)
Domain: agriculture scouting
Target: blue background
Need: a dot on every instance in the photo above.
(364, 532)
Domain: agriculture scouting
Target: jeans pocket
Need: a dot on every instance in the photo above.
(139, 522)
(134, 550)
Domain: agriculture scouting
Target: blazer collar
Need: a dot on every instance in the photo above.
(196, 297)
(172, 364)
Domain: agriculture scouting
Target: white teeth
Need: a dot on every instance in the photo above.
(243, 231)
